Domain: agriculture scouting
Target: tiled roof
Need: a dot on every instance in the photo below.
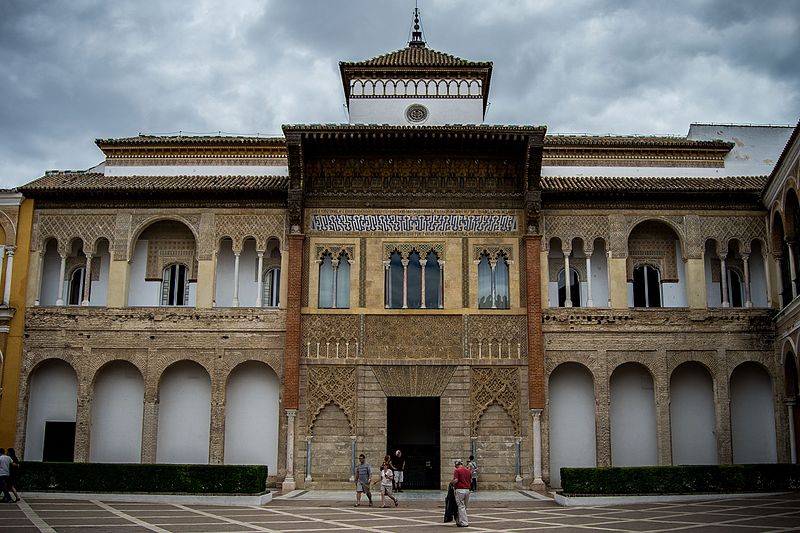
(650, 184)
(416, 56)
(556, 140)
(98, 182)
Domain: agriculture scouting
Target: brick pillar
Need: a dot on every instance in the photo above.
(291, 356)
(291, 364)
(533, 245)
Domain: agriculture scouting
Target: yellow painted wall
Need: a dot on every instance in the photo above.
(13, 352)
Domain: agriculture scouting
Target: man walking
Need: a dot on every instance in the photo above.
(5, 474)
(461, 482)
(363, 480)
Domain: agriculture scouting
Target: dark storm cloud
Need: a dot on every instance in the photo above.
(76, 70)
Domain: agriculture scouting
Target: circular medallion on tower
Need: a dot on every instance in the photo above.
(416, 113)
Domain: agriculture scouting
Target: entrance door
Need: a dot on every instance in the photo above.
(413, 427)
(59, 441)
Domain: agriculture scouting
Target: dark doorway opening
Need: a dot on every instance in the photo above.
(59, 442)
(412, 426)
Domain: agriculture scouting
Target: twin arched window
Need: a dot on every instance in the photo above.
(414, 282)
(175, 285)
(334, 281)
(493, 290)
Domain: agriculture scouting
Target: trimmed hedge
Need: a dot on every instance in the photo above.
(680, 479)
(152, 478)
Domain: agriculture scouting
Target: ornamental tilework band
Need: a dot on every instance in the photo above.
(414, 223)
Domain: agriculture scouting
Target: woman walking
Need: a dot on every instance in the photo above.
(386, 482)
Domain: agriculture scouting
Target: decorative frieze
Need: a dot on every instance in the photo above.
(331, 336)
(497, 337)
(407, 380)
(414, 223)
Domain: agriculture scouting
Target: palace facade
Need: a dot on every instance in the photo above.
(414, 279)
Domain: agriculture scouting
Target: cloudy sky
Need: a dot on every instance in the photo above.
(76, 70)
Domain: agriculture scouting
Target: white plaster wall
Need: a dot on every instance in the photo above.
(117, 402)
(99, 294)
(248, 283)
(393, 110)
(53, 396)
(184, 414)
(225, 266)
(278, 169)
(692, 416)
(51, 268)
(251, 416)
(674, 294)
(758, 281)
(572, 419)
(599, 277)
(752, 415)
(633, 417)
(552, 294)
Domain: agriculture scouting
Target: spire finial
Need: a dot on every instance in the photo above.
(416, 32)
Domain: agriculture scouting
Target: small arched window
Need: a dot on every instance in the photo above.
(334, 281)
(646, 286)
(272, 287)
(735, 288)
(76, 281)
(175, 285)
(574, 289)
(493, 287)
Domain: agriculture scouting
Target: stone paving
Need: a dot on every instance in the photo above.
(300, 512)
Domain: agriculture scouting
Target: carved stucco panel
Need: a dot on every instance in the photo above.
(498, 385)
(331, 384)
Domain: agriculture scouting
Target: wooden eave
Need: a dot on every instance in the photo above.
(185, 147)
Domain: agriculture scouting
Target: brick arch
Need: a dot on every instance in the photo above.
(98, 365)
(678, 229)
(149, 221)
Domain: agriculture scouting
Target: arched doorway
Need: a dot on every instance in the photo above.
(572, 419)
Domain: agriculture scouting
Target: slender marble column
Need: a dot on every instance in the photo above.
(589, 302)
(9, 270)
(779, 278)
(792, 267)
(792, 437)
(87, 280)
(768, 276)
(538, 482)
(308, 458)
(387, 284)
(288, 482)
(235, 302)
(259, 275)
(747, 300)
(404, 262)
(441, 283)
(493, 265)
(422, 263)
(40, 262)
(62, 271)
(723, 278)
(518, 460)
(567, 280)
(352, 458)
(335, 284)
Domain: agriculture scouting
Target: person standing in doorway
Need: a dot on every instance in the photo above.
(5, 475)
(398, 464)
(386, 482)
(363, 480)
(472, 466)
(461, 482)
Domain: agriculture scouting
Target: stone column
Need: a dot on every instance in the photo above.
(723, 280)
(422, 263)
(288, 482)
(747, 299)
(538, 482)
(9, 251)
(493, 266)
(150, 419)
(779, 279)
(544, 264)
(83, 419)
(404, 262)
(352, 458)
(792, 437)
(216, 441)
(768, 276)
(87, 280)
(235, 302)
(62, 271)
(518, 459)
(260, 277)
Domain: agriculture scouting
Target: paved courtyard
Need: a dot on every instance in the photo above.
(417, 514)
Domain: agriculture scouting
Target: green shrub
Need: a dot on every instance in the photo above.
(166, 478)
(680, 479)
